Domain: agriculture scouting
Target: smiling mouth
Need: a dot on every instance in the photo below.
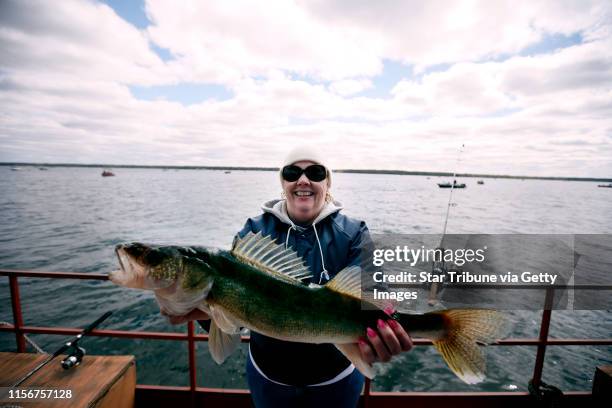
(303, 193)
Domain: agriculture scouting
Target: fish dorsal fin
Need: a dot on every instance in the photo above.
(269, 257)
(347, 282)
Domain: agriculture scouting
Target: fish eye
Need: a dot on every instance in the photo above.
(135, 249)
(154, 257)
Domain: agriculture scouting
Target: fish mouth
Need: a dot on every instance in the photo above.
(129, 267)
(119, 276)
(125, 261)
(134, 270)
(120, 252)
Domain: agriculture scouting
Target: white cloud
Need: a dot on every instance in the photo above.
(294, 69)
(443, 31)
(464, 89)
(350, 86)
(80, 39)
(248, 38)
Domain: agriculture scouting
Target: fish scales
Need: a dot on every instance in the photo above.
(288, 311)
(260, 285)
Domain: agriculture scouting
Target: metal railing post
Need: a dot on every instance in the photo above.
(543, 337)
(366, 392)
(17, 316)
(369, 397)
(192, 360)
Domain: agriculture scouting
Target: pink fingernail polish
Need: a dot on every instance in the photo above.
(389, 310)
(370, 332)
(362, 342)
(381, 324)
(393, 323)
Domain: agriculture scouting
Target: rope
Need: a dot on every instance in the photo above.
(28, 339)
(324, 273)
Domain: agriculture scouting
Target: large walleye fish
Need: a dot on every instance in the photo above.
(258, 285)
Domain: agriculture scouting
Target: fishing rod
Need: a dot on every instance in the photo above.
(450, 196)
(439, 267)
(75, 356)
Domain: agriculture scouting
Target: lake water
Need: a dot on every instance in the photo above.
(70, 219)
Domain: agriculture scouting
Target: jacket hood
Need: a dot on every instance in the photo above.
(278, 208)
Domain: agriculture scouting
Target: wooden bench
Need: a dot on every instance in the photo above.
(99, 381)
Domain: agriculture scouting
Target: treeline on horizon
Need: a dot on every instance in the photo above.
(362, 171)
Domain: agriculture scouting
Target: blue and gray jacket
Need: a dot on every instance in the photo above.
(331, 243)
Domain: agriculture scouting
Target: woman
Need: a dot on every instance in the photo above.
(307, 219)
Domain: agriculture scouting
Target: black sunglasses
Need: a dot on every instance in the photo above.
(314, 172)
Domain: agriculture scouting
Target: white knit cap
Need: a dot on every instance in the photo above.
(306, 153)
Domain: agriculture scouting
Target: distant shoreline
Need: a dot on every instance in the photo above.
(365, 171)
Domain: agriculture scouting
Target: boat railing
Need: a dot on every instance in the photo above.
(220, 396)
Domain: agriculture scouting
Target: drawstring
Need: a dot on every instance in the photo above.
(287, 240)
(324, 273)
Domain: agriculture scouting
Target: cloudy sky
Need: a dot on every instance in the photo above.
(526, 86)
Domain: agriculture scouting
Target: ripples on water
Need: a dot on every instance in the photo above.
(69, 219)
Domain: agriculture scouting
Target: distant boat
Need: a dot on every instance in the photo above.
(227, 171)
(480, 182)
(449, 185)
(43, 169)
(605, 185)
(15, 168)
(107, 173)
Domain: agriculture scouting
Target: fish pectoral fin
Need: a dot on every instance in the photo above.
(178, 302)
(204, 307)
(351, 352)
(220, 344)
(223, 320)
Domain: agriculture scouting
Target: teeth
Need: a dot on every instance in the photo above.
(303, 193)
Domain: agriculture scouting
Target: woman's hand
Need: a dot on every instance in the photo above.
(195, 314)
(388, 340)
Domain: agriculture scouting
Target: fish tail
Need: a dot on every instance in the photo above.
(464, 330)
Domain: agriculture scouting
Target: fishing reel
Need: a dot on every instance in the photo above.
(75, 355)
(440, 268)
(74, 358)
